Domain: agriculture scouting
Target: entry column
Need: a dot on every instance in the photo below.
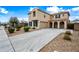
(32, 24)
(65, 25)
(38, 24)
(52, 24)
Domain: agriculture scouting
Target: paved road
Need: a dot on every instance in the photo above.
(34, 41)
(5, 45)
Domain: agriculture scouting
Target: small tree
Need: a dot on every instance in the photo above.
(14, 22)
(11, 30)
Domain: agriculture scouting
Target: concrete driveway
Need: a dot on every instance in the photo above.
(27, 42)
(34, 41)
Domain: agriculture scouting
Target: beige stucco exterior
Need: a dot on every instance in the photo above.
(44, 19)
(39, 16)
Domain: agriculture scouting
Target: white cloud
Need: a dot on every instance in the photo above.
(31, 8)
(73, 17)
(75, 9)
(3, 10)
(55, 9)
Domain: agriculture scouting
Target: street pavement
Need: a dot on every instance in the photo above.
(5, 45)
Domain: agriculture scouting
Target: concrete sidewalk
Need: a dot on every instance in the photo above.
(5, 45)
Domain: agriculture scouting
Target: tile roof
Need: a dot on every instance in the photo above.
(64, 12)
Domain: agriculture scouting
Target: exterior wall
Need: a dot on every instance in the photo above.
(62, 18)
(58, 24)
(76, 26)
(65, 17)
(31, 16)
(45, 19)
(39, 16)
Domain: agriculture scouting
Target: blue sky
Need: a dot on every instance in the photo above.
(21, 12)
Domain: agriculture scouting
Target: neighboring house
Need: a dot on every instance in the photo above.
(76, 25)
(41, 19)
(23, 23)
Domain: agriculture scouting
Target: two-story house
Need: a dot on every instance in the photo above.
(40, 19)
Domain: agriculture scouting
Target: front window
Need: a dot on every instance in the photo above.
(35, 23)
(30, 23)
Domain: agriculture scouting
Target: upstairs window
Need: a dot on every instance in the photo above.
(57, 16)
(52, 16)
(34, 14)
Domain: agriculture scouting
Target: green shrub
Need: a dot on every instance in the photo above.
(11, 30)
(18, 28)
(33, 28)
(68, 32)
(67, 37)
(26, 28)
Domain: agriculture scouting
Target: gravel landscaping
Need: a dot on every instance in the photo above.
(59, 44)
